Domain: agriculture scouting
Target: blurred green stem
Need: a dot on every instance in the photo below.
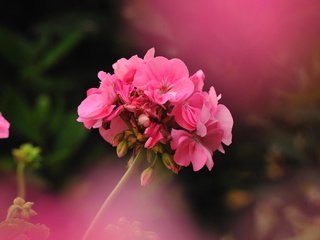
(104, 207)
(20, 180)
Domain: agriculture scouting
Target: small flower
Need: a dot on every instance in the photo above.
(154, 134)
(125, 69)
(4, 127)
(164, 80)
(99, 103)
(195, 149)
(194, 113)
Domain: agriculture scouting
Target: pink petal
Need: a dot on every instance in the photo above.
(182, 88)
(213, 138)
(201, 129)
(178, 136)
(197, 80)
(149, 55)
(181, 156)
(209, 162)
(117, 126)
(225, 122)
(199, 155)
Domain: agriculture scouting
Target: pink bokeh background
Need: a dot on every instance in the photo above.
(159, 207)
(248, 49)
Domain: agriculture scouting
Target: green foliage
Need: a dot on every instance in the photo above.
(34, 101)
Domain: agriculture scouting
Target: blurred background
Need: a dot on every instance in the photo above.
(262, 56)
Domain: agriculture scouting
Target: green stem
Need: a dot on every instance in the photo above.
(113, 194)
(20, 180)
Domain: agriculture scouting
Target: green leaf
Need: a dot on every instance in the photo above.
(70, 136)
(14, 48)
(24, 122)
(62, 48)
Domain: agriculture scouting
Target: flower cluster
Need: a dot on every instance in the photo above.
(154, 103)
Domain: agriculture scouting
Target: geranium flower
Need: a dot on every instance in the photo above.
(191, 148)
(99, 103)
(164, 80)
(125, 69)
(153, 103)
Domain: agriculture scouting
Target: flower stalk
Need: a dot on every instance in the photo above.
(106, 204)
(21, 180)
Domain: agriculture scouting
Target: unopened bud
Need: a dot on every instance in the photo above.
(151, 156)
(144, 120)
(131, 140)
(158, 148)
(27, 153)
(169, 163)
(117, 139)
(140, 137)
(122, 148)
(146, 176)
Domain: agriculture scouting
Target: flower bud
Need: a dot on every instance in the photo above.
(169, 163)
(146, 176)
(122, 148)
(144, 120)
(131, 140)
(141, 137)
(151, 156)
(27, 154)
(117, 139)
(158, 148)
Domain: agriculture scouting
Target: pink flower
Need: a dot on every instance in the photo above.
(125, 69)
(191, 148)
(117, 126)
(4, 127)
(164, 80)
(99, 104)
(194, 113)
(154, 134)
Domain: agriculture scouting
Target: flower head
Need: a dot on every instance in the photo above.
(153, 103)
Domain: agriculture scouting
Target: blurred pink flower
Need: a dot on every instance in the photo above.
(4, 127)
(19, 229)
